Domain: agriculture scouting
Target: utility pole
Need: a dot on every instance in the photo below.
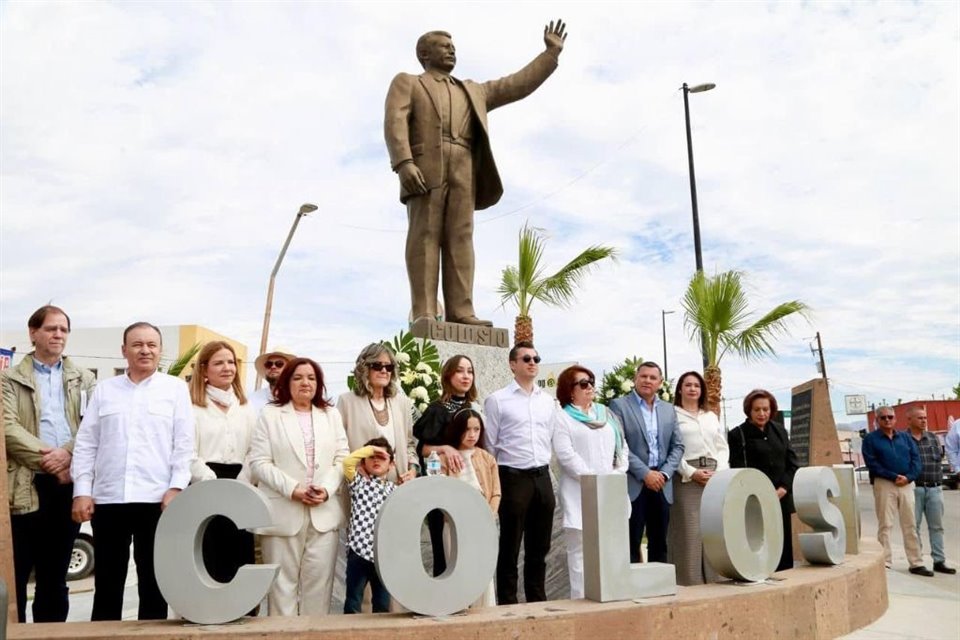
(823, 364)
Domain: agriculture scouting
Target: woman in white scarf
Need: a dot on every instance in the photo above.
(224, 424)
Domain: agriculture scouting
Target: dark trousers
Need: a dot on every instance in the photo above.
(435, 527)
(226, 548)
(786, 555)
(359, 573)
(650, 512)
(43, 543)
(114, 526)
(526, 513)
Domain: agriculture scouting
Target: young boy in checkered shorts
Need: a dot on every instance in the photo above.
(369, 489)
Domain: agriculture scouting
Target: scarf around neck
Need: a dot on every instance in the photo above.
(602, 419)
(221, 397)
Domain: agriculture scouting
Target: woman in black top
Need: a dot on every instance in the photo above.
(764, 445)
(459, 390)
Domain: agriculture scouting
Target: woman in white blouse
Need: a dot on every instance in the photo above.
(587, 439)
(296, 456)
(376, 408)
(705, 452)
(224, 422)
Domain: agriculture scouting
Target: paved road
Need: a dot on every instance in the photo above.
(920, 608)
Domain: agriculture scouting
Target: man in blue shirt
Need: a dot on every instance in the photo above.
(44, 396)
(893, 460)
(655, 450)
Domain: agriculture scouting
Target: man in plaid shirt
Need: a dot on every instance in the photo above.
(927, 489)
(369, 489)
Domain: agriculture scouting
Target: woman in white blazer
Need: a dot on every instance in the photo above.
(295, 455)
(377, 408)
(587, 440)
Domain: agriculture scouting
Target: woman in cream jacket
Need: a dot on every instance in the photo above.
(295, 455)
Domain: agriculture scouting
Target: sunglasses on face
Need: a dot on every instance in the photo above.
(274, 364)
(379, 366)
(885, 418)
(529, 359)
(586, 383)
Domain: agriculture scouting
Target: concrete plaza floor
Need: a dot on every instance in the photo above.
(920, 608)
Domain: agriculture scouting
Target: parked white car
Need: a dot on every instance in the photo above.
(81, 560)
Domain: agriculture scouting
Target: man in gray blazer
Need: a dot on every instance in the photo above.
(653, 437)
(435, 128)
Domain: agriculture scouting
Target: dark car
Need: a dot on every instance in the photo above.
(949, 476)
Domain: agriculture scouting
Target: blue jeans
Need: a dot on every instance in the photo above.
(359, 572)
(929, 502)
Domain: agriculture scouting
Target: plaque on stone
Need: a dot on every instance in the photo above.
(800, 412)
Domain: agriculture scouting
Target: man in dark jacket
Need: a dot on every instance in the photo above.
(893, 460)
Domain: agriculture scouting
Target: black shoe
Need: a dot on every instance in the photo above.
(941, 567)
(921, 570)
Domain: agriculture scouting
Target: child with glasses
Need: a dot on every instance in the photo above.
(479, 470)
(366, 472)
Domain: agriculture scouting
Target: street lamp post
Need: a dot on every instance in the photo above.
(305, 208)
(698, 253)
(663, 319)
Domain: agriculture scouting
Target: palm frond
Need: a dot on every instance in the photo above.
(177, 366)
(755, 341)
(559, 288)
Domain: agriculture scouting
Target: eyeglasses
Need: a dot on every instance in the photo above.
(380, 366)
(274, 364)
(585, 383)
(529, 359)
(885, 417)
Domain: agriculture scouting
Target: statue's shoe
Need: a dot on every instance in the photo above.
(474, 320)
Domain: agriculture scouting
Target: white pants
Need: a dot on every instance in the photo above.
(307, 561)
(574, 540)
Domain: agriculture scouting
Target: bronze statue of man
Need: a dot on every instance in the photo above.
(436, 132)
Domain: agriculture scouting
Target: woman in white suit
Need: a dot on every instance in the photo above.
(295, 455)
(588, 440)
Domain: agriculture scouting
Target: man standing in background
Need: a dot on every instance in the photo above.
(893, 460)
(269, 365)
(928, 490)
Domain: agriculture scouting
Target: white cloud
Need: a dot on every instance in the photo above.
(153, 156)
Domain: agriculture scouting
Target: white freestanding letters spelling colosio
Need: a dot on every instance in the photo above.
(178, 554)
(741, 525)
(812, 489)
(847, 503)
(473, 557)
(608, 574)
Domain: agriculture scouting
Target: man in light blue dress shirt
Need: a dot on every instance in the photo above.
(43, 399)
(653, 438)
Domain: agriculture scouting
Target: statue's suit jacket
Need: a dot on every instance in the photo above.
(670, 446)
(413, 130)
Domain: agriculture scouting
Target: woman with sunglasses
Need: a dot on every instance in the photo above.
(764, 445)
(705, 451)
(376, 408)
(458, 391)
(587, 439)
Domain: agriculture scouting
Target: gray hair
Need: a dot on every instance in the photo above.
(423, 44)
(361, 379)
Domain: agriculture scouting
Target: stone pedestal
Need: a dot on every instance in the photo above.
(487, 347)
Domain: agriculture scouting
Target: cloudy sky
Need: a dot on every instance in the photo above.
(153, 156)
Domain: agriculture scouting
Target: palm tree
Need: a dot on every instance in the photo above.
(177, 366)
(716, 317)
(526, 282)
